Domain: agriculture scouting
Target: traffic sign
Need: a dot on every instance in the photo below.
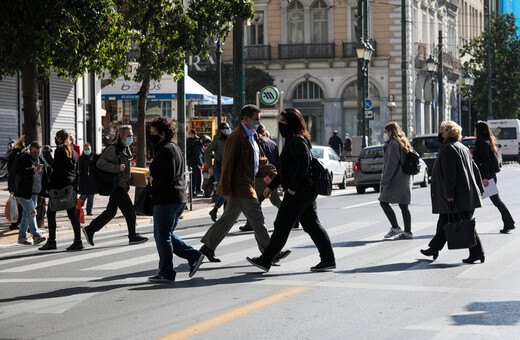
(269, 95)
(369, 109)
(490, 118)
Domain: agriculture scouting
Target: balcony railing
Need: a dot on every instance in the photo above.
(257, 52)
(349, 49)
(306, 51)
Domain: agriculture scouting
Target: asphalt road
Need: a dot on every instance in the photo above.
(380, 289)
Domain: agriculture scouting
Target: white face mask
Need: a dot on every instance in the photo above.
(386, 137)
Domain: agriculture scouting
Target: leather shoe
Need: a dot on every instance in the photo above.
(281, 255)
(474, 258)
(246, 228)
(213, 214)
(430, 252)
(506, 230)
(210, 254)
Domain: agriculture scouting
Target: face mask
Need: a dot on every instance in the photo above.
(386, 137)
(154, 139)
(87, 152)
(57, 140)
(254, 124)
(228, 132)
(441, 139)
(129, 141)
(284, 129)
(34, 155)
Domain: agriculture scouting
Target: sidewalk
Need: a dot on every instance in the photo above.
(200, 207)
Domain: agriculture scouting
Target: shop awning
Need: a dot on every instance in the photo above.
(166, 88)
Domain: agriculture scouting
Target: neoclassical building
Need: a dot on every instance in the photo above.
(308, 47)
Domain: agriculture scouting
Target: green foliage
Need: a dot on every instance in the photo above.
(505, 53)
(68, 36)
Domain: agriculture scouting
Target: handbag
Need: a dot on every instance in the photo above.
(460, 232)
(11, 209)
(144, 203)
(320, 178)
(62, 199)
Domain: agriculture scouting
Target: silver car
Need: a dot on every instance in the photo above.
(369, 167)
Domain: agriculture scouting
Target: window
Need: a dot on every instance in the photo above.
(256, 30)
(308, 90)
(320, 22)
(296, 23)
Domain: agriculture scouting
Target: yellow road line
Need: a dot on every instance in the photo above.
(233, 314)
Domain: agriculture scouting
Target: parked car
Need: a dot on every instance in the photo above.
(427, 146)
(369, 167)
(469, 141)
(331, 161)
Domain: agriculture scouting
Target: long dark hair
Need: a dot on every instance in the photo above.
(296, 123)
(483, 132)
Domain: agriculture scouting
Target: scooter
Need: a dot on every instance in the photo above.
(3, 160)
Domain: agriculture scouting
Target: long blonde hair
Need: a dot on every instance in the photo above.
(398, 135)
(20, 144)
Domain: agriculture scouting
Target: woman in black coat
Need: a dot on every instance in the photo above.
(299, 200)
(64, 174)
(455, 187)
(86, 179)
(487, 162)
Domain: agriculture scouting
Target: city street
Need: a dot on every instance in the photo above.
(381, 289)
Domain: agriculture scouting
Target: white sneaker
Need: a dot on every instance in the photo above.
(393, 232)
(405, 235)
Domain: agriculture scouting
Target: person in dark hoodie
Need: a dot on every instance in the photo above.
(86, 180)
(11, 180)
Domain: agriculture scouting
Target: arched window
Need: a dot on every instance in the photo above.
(320, 22)
(296, 23)
(308, 90)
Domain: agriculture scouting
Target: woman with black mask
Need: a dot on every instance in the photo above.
(487, 162)
(299, 201)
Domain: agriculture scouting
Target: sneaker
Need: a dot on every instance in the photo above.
(23, 240)
(393, 232)
(136, 239)
(323, 267)
(76, 245)
(89, 236)
(159, 279)
(195, 267)
(259, 263)
(14, 226)
(38, 239)
(405, 235)
(506, 230)
(246, 228)
(50, 245)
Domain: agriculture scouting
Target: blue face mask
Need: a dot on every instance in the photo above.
(87, 152)
(129, 141)
(228, 131)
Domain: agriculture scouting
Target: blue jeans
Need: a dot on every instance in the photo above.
(165, 219)
(90, 202)
(28, 220)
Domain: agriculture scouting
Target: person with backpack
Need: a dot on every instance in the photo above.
(396, 184)
(487, 161)
(299, 200)
(86, 180)
(64, 174)
(115, 159)
(11, 180)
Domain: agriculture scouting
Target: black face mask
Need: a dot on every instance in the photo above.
(154, 139)
(34, 155)
(441, 139)
(57, 141)
(284, 129)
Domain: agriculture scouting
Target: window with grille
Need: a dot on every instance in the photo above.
(308, 90)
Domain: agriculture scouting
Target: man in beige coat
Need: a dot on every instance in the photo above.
(242, 159)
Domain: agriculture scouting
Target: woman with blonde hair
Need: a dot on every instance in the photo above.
(456, 188)
(396, 185)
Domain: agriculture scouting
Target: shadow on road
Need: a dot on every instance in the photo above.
(395, 267)
(497, 313)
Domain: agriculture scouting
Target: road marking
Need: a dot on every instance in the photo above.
(234, 314)
(126, 263)
(359, 205)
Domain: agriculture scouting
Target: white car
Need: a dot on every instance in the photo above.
(330, 159)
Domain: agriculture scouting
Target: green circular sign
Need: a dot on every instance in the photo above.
(269, 95)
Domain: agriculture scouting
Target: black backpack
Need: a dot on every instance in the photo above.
(320, 178)
(494, 165)
(411, 164)
(105, 183)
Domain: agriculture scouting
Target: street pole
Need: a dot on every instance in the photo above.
(239, 69)
(441, 81)
(181, 113)
(366, 89)
(433, 104)
(218, 53)
(360, 78)
(490, 66)
(404, 70)
(472, 119)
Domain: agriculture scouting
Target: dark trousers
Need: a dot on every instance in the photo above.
(506, 215)
(196, 178)
(439, 240)
(390, 214)
(90, 202)
(301, 206)
(119, 199)
(74, 220)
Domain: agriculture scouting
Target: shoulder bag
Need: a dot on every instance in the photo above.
(62, 199)
(459, 231)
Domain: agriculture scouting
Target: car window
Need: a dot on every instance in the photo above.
(317, 153)
(333, 156)
(371, 153)
(424, 145)
(504, 132)
(468, 142)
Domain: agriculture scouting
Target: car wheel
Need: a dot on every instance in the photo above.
(343, 183)
(377, 188)
(360, 190)
(424, 183)
(3, 168)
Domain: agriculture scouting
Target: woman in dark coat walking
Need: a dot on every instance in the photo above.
(86, 180)
(299, 200)
(456, 186)
(487, 162)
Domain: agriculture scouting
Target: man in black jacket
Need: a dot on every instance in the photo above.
(194, 157)
(31, 180)
(86, 180)
(335, 142)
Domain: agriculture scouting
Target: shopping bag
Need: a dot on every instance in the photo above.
(11, 209)
(79, 211)
(144, 205)
(460, 232)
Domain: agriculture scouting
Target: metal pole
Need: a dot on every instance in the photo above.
(404, 70)
(441, 81)
(239, 69)
(366, 89)
(471, 118)
(218, 53)
(360, 80)
(433, 104)
(490, 66)
(181, 113)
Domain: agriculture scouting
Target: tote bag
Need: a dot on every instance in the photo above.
(460, 232)
(144, 205)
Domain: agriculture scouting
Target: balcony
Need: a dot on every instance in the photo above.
(306, 51)
(349, 49)
(257, 53)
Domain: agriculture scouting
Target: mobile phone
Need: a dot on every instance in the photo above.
(40, 166)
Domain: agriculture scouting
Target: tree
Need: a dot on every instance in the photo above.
(166, 32)
(505, 54)
(70, 37)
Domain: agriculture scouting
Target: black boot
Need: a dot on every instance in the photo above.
(473, 258)
(430, 252)
(213, 214)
